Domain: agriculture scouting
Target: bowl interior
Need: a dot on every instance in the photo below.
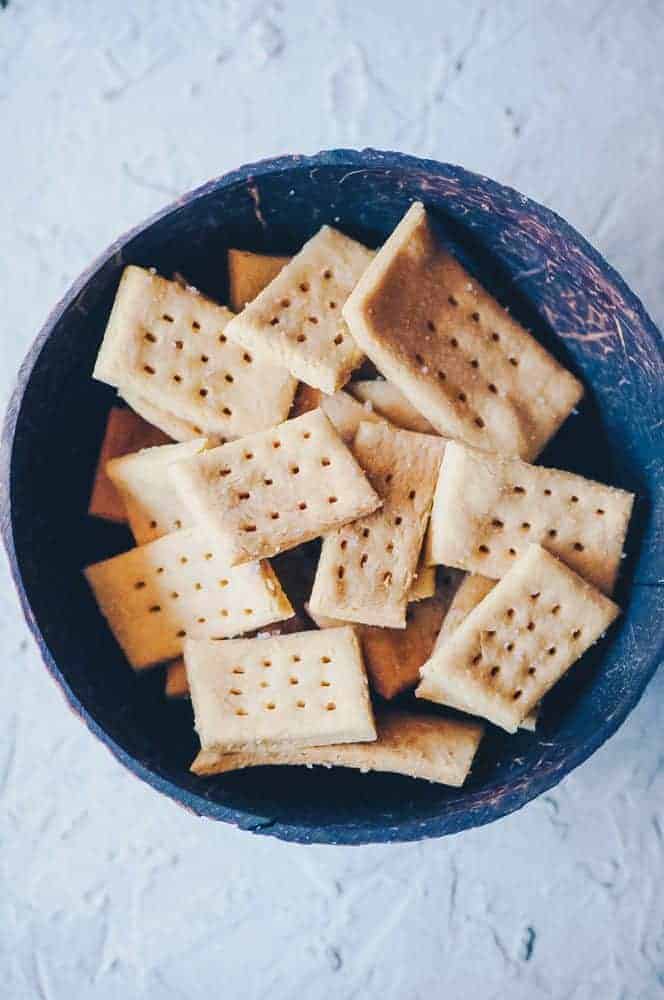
(551, 280)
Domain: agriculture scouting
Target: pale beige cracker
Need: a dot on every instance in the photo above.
(519, 640)
(274, 490)
(343, 412)
(153, 506)
(454, 352)
(248, 275)
(388, 401)
(426, 746)
(366, 568)
(155, 596)
(393, 656)
(296, 321)
(471, 590)
(125, 433)
(175, 427)
(488, 509)
(167, 345)
(307, 689)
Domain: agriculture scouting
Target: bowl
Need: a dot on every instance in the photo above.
(548, 276)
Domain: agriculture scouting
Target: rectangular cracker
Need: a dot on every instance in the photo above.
(296, 321)
(487, 509)
(274, 490)
(456, 354)
(156, 595)
(307, 689)
(125, 433)
(153, 506)
(393, 656)
(518, 641)
(366, 568)
(388, 401)
(175, 427)
(471, 590)
(248, 274)
(166, 344)
(426, 746)
(343, 412)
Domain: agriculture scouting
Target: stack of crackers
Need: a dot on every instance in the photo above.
(448, 565)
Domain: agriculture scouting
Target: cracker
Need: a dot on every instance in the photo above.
(125, 433)
(388, 401)
(366, 568)
(424, 583)
(274, 490)
(518, 641)
(471, 590)
(296, 321)
(343, 412)
(175, 427)
(419, 746)
(153, 506)
(166, 344)
(457, 355)
(176, 685)
(307, 689)
(393, 656)
(155, 596)
(488, 509)
(248, 274)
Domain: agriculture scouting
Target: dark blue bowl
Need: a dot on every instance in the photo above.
(556, 283)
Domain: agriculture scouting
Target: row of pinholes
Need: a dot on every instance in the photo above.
(305, 287)
(293, 680)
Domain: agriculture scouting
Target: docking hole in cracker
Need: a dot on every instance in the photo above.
(296, 321)
(306, 689)
(272, 491)
(454, 352)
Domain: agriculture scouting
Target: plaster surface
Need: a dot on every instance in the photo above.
(107, 890)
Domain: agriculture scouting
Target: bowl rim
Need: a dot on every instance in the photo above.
(456, 817)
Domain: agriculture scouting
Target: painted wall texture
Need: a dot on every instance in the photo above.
(109, 110)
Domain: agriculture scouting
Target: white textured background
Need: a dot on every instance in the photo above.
(107, 111)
